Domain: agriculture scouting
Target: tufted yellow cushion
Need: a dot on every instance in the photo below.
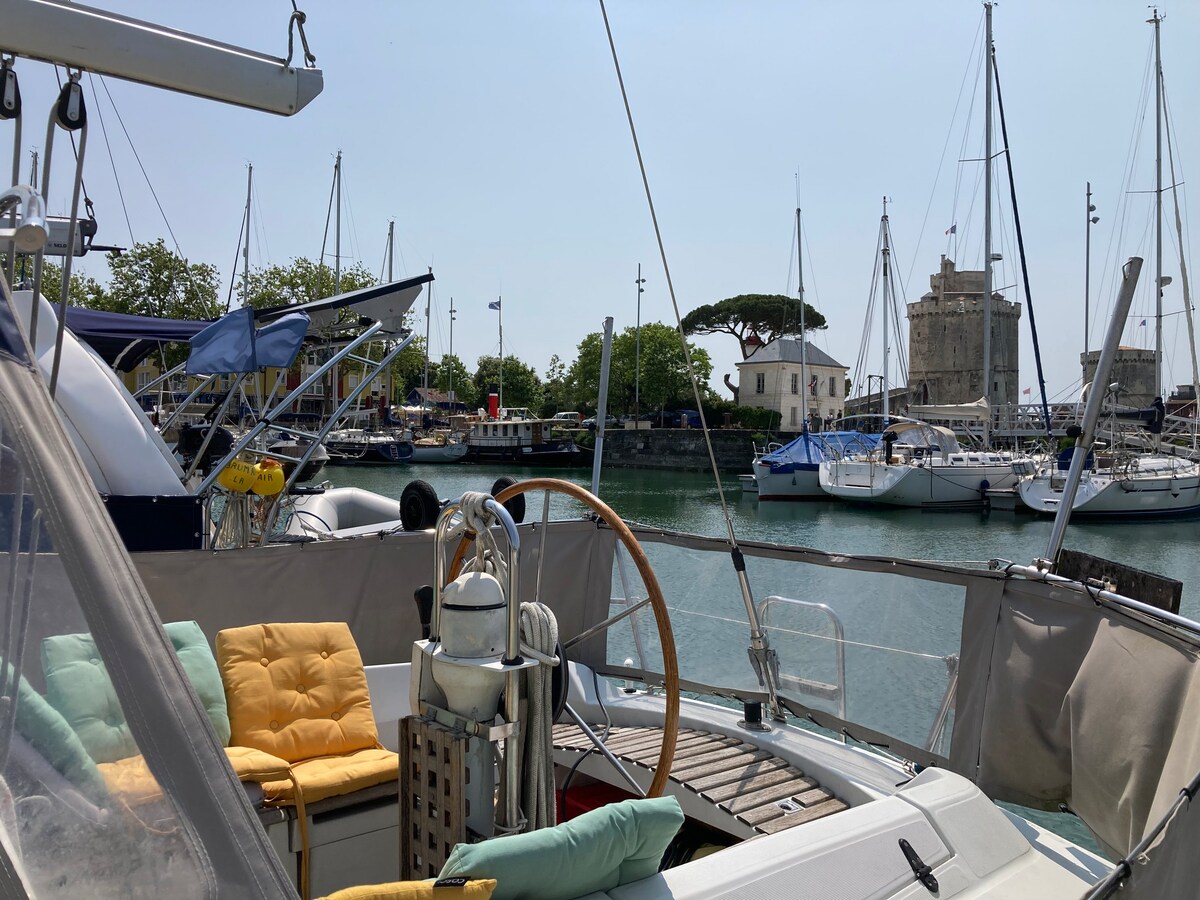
(332, 776)
(478, 889)
(131, 781)
(296, 690)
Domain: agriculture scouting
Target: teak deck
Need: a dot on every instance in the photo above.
(757, 788)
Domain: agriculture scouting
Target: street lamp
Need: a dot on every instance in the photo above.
(1087, 267)
(637, 353)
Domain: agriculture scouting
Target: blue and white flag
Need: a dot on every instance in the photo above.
(232, 344)
(495, 305)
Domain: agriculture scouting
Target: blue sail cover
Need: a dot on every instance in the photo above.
(232, 344)
(124, 340)
(810, 448)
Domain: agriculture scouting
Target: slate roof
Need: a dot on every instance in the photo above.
(788, 350)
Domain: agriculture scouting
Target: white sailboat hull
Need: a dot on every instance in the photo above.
(802, 483)
(438, 453)
(1159, 486)
(927, 484)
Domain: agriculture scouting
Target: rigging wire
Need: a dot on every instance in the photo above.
(111, 159)
(759, 650)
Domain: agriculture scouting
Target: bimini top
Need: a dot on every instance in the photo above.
(811, 448)
(124, 340)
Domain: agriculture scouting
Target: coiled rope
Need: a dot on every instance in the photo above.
(539, 636)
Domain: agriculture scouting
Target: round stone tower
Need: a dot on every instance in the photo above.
(1133, 369)
(945, 341)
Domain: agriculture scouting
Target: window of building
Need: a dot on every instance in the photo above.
(760, 383)
(795, 383)
(793, 419)
(812, 386)
(143, 379)
(832, 385)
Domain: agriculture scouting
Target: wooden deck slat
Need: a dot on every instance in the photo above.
(746, 781)
(761, 797)
(751, 783)
(714, 763)
(701, 785)
(782, 823)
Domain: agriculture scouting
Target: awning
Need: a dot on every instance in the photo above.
(123, 340)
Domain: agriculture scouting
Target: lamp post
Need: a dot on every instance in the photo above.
(637, 353)
(1087, 267)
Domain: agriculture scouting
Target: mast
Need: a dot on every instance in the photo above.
(803, 343)
(987, 216)
(637, 352)
(1087, 266)
(246, 246)
(337, 238)
(885, 258)
(1158, 275)
(391, 256)
(450, 388)
(428, 320)
(500, 327)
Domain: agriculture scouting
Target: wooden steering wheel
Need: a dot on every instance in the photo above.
(654, 595)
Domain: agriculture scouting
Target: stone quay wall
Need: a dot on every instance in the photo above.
(679, 448)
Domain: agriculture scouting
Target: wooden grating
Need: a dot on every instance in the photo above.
(749, 783)
(433, 804)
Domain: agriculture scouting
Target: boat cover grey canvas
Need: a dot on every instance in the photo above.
(63, 554)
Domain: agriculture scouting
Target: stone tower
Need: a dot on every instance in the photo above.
(945, 341)
(1133, 369)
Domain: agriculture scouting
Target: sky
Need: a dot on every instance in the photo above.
(494, 136)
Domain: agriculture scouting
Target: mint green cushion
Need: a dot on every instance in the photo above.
(78, 686)
(50, 735)
(596, 851)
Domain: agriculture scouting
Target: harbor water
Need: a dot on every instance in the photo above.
(688, 501)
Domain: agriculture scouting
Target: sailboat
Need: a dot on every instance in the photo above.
(920, 464)
(1128, 482)
(134, 763)
(790, 472)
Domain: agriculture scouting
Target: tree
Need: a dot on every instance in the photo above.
(151, 280)
(664, 380)
(302, 281)
(769, 316)
(522, 387)
(461, 382)
(83, 291)
(557, 387)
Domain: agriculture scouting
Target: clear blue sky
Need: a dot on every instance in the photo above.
(493, 133)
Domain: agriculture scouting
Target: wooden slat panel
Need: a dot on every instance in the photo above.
(812, 797)
(730, 759)
(650, 754)
(689, 752)
(730, 776)
(760, 797)
(782, 823)
(753, 782)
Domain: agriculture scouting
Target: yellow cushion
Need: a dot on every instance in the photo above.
(296, 690)
(332, 776)
(480, 889)
(131, 781)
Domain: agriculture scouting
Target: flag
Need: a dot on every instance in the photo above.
(953, 229)
(1141, 323)
(1027, 390)
(495, 305)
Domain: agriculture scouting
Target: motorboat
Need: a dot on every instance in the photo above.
(439, 446)
(517, 436)
(363, 447)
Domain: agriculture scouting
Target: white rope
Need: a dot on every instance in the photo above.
(488, 557)
(539, 635)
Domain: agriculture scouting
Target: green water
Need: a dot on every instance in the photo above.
(687, 501)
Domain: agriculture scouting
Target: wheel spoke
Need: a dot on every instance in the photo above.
(608, 754)
(606, 624)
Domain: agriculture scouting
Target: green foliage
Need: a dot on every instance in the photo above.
(522, 387)
(453, 375)
(83, 291)
(769, 316)
(151, 280)
(664, 381)
(557, 395)
(302, 281)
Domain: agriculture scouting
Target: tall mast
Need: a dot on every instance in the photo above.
(885, 252)
(500, 329)
(1158, 275)
(987, 209)
(1087, 267)
(337, 238)
(246, 247)
(391, 246)
(803, 344)
(428, 320)
(450, 388)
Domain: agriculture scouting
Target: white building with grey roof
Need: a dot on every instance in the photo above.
(770, 378)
